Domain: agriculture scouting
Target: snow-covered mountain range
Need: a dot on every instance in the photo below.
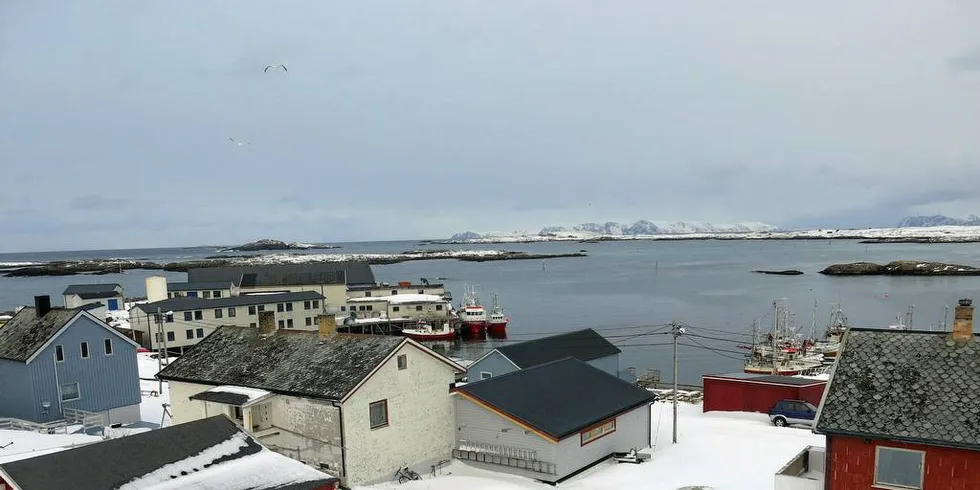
(637, 229)
(938, 220)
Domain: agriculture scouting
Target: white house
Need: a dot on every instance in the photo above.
(331, 279)
(109, 295)
(358, 406)
(206, 290)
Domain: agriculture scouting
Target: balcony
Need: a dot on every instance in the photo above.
(521, 459)
(804, 472)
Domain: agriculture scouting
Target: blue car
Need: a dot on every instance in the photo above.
(792, 412)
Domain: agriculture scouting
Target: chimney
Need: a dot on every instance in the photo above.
(267, 323)
(328, 325)
(42, 305)
(963, 321)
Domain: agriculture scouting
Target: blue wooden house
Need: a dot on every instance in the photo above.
(585, 345)
(58, 363)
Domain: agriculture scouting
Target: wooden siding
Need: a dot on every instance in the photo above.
(726, 395)
(17, 391)
(476, 424)
(851, 464)
(494, 363)
(632, 430)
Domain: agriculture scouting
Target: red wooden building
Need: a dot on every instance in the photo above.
(902, 409)
(743, 392)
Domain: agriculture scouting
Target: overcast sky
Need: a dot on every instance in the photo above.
(415, 119)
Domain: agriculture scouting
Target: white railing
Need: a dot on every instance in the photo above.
(9, 423)
(84, 417)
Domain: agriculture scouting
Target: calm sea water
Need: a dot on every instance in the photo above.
(625, 285)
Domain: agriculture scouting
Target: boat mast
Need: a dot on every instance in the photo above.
(813, 326)
(775, 329)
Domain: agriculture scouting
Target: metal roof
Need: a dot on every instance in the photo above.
(185, 303)
(584, 345)
(287, 274)
(93, 291)
(914, 386)
(558, 398)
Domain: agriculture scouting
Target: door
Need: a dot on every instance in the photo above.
(113, 304)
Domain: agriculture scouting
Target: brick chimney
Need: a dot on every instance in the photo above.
(963, 321)
(267, 323)
(42, 305)
(328, 325)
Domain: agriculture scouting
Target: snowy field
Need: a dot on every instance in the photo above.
(717, 450)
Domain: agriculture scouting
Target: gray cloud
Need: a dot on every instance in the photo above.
(96, 202)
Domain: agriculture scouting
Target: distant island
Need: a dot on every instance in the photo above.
(938, 220)
(268, 244)
(901, 268)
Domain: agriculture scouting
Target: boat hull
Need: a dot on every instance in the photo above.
(430, 336)
(497, 328)
(474, 327)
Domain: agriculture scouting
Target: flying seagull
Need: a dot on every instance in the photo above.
(275, 67)
(239, 143)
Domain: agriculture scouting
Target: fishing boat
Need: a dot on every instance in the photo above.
(497, 324)
(472, 313)
(424, 331)
(782, 351)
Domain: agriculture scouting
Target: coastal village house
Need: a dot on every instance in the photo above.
(181, 322)
(550, 421)
(385, 289)
(901, 411)
(109, 295)
(585, 345)
(409, 307)
(206, 290)
(330, 279)
(58, 363)
(357, 406)
(211, 453)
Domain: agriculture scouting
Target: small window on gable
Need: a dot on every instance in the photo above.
(59, 353)
(108, 347)
(486, 374)
(402, 362)
(84, 350)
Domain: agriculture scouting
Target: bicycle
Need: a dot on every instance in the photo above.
(405, 474)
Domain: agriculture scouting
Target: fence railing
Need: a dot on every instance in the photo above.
(9, 423)
(84, 417)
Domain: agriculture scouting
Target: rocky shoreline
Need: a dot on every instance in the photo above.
(268, 244)
(901, 268)
(116, 266)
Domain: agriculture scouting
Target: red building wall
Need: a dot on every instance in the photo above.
(726, 395)
(851, 465)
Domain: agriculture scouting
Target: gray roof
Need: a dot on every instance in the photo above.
(767, 378)
(287, 274)
(197, 286)
(584, 345)
(25, 333)
(559, 398)
(115, 462)
(288, 362)
(184, 304)
(905, 385)
(92, 291)
(224, 397)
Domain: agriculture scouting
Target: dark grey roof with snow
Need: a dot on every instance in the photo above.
(184, 303)
(559, 398)
(905, 385)
(92, 291)
(197, 286)
(115, 462)
(584, 345)
(289, 361)
(287, 274)
(25, 333)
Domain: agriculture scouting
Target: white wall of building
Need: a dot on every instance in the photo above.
(334, 295)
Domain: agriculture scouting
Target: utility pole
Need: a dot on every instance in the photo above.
(161, 349)
(677, 331)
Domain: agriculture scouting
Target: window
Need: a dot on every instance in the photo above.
(59, 353)
(370, 307)
(379, 414)
(282, 323)
(316, 304)
(418, 307)
(216, 294)
(218, 313)
(394, 308)
(253, 325)
(170, 317)
(280, 307)
(362, 308)
(438, 307)
(261, 307)
(367, 294)
(192, 294)
(189, 333)
(596, 431)
(289, 323)
(394, 292)
(251, 310)
(232, 312)
(343, 308)
(402, 362)
(306, 305)
(171, 337)
(188, 316)
(207, 294)
(309, 321)
(84, 350)
(238, 413)
(289, 307)
(198, 315)
(421, 291)
(108, 346)
(486, 374)
(70, 392)
(899, 467)
(200, 333)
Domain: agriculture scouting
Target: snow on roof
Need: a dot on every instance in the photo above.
(401, 299)
(22, 444)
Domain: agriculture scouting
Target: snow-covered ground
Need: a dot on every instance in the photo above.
(718, 450)
(938, 233)
(22, 444)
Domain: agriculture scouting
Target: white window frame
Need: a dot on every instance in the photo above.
(922, 469)
(107, 342)
(78, 388)
(402, 362)
(486, 375)
(62, 349)
(83, 350)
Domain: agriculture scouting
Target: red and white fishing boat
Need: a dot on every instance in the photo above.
(497, 324)
(472, 313)
(424, 331)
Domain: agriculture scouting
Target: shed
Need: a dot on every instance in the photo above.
(743, 392)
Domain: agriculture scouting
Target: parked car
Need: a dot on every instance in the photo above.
(790, 412)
